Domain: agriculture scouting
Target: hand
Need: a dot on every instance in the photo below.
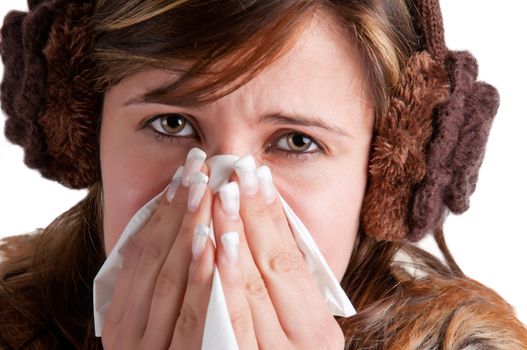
(272, 299)
(162, 292)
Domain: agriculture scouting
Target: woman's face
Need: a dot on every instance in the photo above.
(306, 116)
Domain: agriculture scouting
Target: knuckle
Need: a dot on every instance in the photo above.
(287, 261)
(179, 203)
(277, 217)
(188, 321)
(127, 269)
(155, 219)
(231, 279)
(258, 213)
(265, 217)
(132, 251)
(241, 323)
(199, 276)
(151, 253)
(255, 287)
(167, 283)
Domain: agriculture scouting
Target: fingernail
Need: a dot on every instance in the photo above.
(230, 199)
(231, 242)
(246, 170)
(266, 184)
(174, 184)
(198, 184)
(201, 234)
(195, 159)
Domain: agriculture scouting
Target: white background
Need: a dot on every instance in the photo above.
(489, 241)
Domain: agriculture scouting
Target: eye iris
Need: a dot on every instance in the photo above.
(172, 123)
(298, 142)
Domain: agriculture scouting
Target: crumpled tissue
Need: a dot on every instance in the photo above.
(218, 332)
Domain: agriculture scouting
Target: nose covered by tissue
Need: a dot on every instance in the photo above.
(218, 332)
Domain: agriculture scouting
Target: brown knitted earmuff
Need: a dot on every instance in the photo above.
(425, 155)
(428, 150)
(47, 92)
(398, 159)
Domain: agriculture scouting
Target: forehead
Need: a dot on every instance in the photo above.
(320, 65)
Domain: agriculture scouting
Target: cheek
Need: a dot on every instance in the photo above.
(126, 189)
(132, 174)
(330, 206)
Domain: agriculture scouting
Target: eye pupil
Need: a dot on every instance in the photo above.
(172, 123)
(298, 142)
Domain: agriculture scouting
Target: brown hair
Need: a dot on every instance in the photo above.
(240, 43)
(46, 282)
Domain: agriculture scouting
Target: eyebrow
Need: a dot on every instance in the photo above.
(272, 118)
(147, 97)
(160, 94)
(301, 120)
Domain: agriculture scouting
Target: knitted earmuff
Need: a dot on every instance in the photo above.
(425, 155)
(429, 147)
(47, 91)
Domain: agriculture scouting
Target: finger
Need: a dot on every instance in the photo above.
(250, 308)
(294, 294)
(140, 251)
(195, 159)
(231, 274)
(172, 279)
(170, 226)
(150, 247)
(188, 332)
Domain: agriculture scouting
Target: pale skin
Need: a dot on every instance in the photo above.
(163, 289)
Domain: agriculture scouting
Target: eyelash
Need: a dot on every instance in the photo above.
(178, 139)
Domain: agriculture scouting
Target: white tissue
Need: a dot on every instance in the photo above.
(218, 333)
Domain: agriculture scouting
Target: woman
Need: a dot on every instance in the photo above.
(357, 103)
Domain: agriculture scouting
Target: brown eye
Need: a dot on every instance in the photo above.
(173, 125)
(296, 142)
